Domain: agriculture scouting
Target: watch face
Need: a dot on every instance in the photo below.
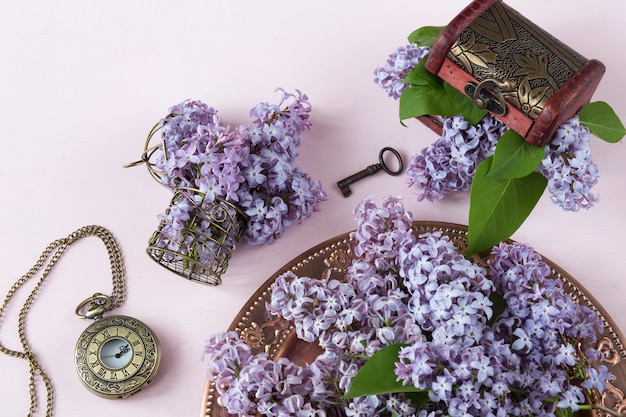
(117, 356)
(115, 353)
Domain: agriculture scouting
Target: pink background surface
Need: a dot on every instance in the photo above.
(83, 82)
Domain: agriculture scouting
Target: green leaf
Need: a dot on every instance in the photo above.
(422, 100)
(426, 96)
(564, 412)
(417, 398)
(464, 105)
(429, 94)
(499, 207)
(499, 305)
(377, 375)
(602, 121)
(419, 75)
(425, 36)
(514, 157)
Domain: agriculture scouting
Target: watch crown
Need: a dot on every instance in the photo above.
(94, 307)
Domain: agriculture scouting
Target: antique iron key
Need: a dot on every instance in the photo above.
(344, 185)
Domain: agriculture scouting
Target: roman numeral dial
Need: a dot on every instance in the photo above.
(115, 353)
(117, 356)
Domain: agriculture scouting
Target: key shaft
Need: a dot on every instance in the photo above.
(344, 185)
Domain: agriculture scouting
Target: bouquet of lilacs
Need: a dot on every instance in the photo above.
(250, 166)
(223, 175)
(416, 329)
(476, 151)
(450, 162)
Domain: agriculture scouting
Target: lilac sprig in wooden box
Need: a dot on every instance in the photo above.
(514, 69)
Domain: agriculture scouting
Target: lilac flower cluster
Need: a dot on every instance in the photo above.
(449, 164)
(250, 166)
(251, 384)
(548, 328)
(569, 168)
(400, 62)
(471, 356)
(522, 361)
(275, 194)
(350, 320)
(191, 133)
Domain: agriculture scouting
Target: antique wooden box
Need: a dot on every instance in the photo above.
(514, 69)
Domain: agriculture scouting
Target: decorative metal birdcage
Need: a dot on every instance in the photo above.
(197, 235)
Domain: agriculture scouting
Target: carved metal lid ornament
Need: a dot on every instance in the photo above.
(116, 356)
(514, 69)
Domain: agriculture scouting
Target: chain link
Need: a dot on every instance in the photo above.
(47, 260)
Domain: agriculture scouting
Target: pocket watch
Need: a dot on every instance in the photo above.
(116, 356)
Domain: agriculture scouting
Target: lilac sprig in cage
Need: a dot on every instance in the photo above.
(229, 182)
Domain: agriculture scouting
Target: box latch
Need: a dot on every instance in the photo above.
(488, 95)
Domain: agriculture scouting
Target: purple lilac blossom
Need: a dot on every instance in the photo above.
(569, 168)
(420, 291)
(250, 166)
(450, 162)
(400, 62)
(276, 194)
(181, 145)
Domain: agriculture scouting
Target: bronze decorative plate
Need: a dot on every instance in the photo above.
(277, 337)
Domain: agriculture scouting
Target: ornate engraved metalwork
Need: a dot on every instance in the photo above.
(143, 351)
(613, 399)
(276, 336)
(199, 254)
(490, 41)
(489, 95)
(503, 45)
(201, 250)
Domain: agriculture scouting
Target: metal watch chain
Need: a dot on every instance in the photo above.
(46, 262)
